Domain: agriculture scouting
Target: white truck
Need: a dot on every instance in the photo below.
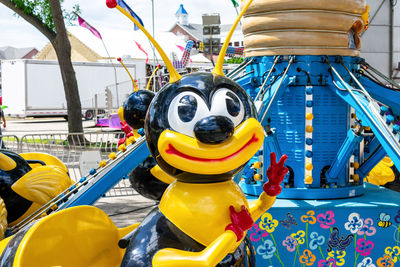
(34, 88)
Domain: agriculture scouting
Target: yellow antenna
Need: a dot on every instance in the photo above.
(135, 87)
(220, 63)
(120, 113)
(6, 163)
(174, 76)
(151, 77)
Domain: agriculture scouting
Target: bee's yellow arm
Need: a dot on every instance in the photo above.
(275, 173)
(210, 256)
(261, 205)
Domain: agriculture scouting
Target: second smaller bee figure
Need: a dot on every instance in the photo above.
(384, 220)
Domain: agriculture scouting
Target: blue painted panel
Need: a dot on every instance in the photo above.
(301, 233)
(330, 129)
(288, 117)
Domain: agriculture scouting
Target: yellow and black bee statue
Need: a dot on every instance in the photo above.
(201, 129)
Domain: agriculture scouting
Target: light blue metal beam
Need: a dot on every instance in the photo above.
(350, 144)
(370, 116)
(371, 162)
(384, 95)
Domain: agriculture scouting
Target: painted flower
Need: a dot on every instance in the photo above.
(364, 247)
(290, 243)
(268, 223)
(257, 234)
(394, 253)
(397, 218)
(309, 217)
(307, 258)
(367, 262)
(385, 261)
(354, 224)
(316, 240)
(267, 250)
(367, 228)
(327, 263)
(299, 236)
(326, 220)
(338, 255)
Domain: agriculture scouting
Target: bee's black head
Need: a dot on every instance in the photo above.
(202, 128)
(135, 108)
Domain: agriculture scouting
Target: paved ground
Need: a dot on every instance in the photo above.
(20, 127)
(125, 211)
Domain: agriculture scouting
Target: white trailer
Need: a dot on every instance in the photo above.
(34, 88)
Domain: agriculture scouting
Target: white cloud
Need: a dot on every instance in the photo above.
(17, 32)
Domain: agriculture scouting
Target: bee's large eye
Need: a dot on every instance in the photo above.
(232, 104)
(227, 103)
(185, 110)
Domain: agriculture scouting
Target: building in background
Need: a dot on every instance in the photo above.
(80, 52)
(192, 31)
(381, 42)
(8, 52)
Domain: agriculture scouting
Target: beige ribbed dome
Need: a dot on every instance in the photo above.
(303, 27)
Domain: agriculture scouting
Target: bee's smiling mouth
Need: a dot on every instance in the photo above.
(172, 150)
(189, 154)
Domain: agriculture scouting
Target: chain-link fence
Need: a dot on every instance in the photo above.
(79, 152)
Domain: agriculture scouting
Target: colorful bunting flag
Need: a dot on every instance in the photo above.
(235, 4)
(141, 49)
(86, 25)
(122, 4)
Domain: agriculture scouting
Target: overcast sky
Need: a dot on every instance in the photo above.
(14, 31)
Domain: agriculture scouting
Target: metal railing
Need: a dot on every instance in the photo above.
(70, 149)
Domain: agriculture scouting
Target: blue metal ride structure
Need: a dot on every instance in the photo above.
(316, 110)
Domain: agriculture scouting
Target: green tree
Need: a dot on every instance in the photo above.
(48, 17)
(234, 60)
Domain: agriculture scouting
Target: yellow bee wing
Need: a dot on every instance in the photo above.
(78, 236)
(6, 163)
(3, 219)
(42, 184)
(46, 158)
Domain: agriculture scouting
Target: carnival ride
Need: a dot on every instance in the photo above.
(315, 100)
(324, 107)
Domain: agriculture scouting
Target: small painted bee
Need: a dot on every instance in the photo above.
(384, 220)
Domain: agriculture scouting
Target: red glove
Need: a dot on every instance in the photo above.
(275, 173)
(125, 127)
(241, 221)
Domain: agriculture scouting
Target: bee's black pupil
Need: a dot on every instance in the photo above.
(232, 104)
(187, 108)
